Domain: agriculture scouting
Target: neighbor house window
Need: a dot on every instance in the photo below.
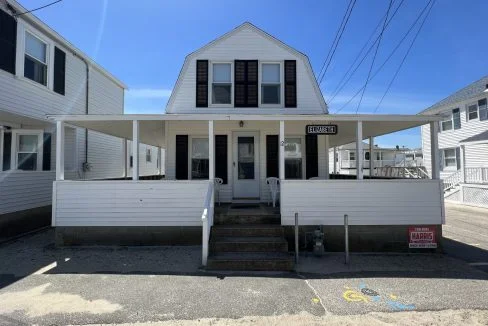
(270, 83)
(379, 156)
(456, 118)
(446, 125)
(221, 83)
(148, 155)
(293, 158)
(199, 158)
(472, 111)
(450, 161)
(352, 156)
(35, 61)
(483, 109)
(27, 153)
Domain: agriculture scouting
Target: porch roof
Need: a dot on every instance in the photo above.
(152, 126)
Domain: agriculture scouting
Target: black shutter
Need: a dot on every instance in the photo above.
(181, 157)
(46, 152)
(221, 157)
(59, 71)
(7, 147)
(8, 42)
(272, 155)
(246, 83)
(202, 84)
(458, 158)
(290, 84)
(312, 156)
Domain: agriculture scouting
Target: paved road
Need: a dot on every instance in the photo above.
(466, 234)
(42, 285)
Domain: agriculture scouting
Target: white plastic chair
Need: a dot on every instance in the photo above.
(274, 188)
(217, 183)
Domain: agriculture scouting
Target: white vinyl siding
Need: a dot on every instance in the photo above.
(367, 202)
(146, 167)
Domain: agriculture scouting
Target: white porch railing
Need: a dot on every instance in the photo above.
(452, 181)
(476, 175)
(416, 172)
(207, 221)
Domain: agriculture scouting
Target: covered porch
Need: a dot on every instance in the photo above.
(181, 206)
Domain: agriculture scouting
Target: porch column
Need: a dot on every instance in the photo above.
(359, 150)
(371, 156)
(327, 148)
(462, 153)
(336, 158)
(124, 147)
(135, 150)
(59, 150)
(434, 150)
(211, 147)
(282, 150)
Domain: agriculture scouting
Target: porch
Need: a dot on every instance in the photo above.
(161, 211)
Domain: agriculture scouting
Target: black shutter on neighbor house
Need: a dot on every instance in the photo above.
(181, 157)
(312, 156)
(7, 146)
(272, 156)
(202, 84)
(46, 152)
(246, 83)
(59, 71)
(221, 157)
(290, 84)
(8, 42)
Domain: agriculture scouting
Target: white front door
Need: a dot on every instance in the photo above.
(246, 164)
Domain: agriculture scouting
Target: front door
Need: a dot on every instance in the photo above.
(246, 165)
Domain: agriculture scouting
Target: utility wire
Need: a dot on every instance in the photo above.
(374, 56)
(49, 4)
(390, 55)
(340, 86)
(339, 33)
(404, 57)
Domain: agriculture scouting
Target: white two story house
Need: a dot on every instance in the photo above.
(42, 74)
(463, 143)
(246, 120)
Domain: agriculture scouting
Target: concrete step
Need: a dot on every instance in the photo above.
(251, 261)
(225, 219)
(252, 230)
(248, 244)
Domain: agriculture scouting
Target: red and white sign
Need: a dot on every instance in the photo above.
(422, 237)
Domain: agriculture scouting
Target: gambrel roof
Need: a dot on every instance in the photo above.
(248, 25)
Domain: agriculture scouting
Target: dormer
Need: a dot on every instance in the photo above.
(247, 71)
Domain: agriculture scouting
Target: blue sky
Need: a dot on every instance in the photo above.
(144, 44)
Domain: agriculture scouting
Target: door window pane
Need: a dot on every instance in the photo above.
(199, 158)
(245, 158)
(293, 158)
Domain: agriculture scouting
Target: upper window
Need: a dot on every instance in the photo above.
(27, 152)
(446, 125)
(35, 61)
(456, 118)
(221, 83)
(483, 109)
(270, 83)
(472, 111)
(293, 158)
(199, 158)
(450, 158)
(379, 156)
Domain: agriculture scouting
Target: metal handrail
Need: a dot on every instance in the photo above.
(207, 220)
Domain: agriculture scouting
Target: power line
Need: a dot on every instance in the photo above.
(374, 56)
(337, 39)
(390, 55)
(340, 86)
(404, 57)
(49, 4)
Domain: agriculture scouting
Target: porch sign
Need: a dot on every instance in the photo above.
(321, 129)
(422, 237)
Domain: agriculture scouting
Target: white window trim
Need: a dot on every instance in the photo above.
(13, 156)
(477, 111)
(190, 152)
(210, 84)
(282, 86)
(22, 29)
(304, 155)
(448, 168)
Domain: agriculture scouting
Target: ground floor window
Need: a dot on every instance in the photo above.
(293, 158)
(27, 151)
(450, 158)
(352, 156)
(199, 158)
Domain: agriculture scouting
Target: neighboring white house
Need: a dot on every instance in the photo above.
(463, 143)
(42, 74)
(383, 158)
(246, 107)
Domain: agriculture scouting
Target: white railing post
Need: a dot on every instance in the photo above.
(282, 151)
(327, 148)
(434, 150)
(371, 156)
(359, 150)
(207, 221)
(135, 150)
(59, 150)
(336, 159)
(462, 165)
